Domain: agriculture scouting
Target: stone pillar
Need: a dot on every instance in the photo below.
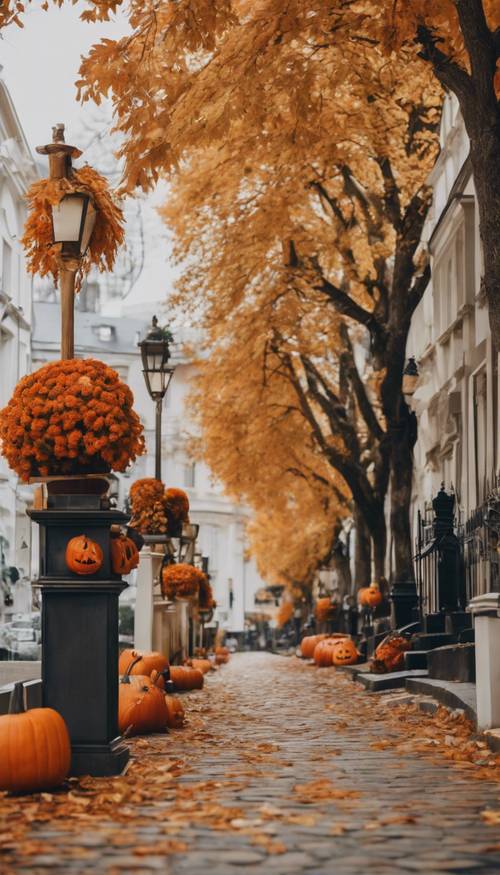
(486, 612)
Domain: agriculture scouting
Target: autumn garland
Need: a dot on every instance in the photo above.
(42, 254)
(181, 581)
(70, 417)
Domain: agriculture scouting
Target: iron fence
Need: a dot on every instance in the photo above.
(455, 557)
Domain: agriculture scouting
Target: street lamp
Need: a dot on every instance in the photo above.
(410, 377)
(73, 221)
(155, 354)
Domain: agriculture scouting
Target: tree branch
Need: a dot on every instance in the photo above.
(358, 386)
(451, 75)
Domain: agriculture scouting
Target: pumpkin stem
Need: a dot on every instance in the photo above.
(16, 702)
(126, 677)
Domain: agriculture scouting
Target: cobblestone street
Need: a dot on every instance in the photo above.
(283, 768)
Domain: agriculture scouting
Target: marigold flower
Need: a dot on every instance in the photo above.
(181, 581)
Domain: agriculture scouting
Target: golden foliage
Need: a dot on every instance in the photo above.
(42, 255)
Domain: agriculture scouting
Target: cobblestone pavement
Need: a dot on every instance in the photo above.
(287, 769)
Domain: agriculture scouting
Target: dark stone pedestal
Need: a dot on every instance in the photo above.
(80, 638)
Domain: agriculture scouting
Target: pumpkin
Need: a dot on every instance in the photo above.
(142, 663)
(345, 652)
(83, 556)
(308, 644)
(390, 654)
(370, 596)
(323, 652)
(221, 659)
(124, 555)
(35, 746)
(185, 678)
(141, 706)
(175, 712)
(221, 651)
(203, 665)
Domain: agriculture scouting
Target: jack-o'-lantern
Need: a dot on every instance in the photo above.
(345, 652)
(323, 652)
(124, 555)
(83, 556)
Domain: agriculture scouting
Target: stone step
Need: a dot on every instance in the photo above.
(455, 662)
(416, 659)
(376, 683)
(429, 641)
(452, 694)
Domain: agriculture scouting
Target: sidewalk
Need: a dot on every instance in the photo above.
(283, 768)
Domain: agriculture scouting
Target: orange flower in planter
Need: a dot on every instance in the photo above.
(206, 595)
(181, 581)
(46, 430)
(148, 507)
(177, 503)
(42, 254)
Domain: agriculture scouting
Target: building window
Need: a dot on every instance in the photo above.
(190, 475)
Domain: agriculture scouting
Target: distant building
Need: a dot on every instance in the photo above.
(17, 172)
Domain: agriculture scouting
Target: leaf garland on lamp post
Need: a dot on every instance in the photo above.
(43, 256)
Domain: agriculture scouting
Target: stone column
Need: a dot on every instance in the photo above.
(486, 612)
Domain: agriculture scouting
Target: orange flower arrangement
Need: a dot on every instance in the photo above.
(324, 610)
(206, 595)
(181, 581)
(42, 254)
(177, 503)
(70, 417)
(148, 506)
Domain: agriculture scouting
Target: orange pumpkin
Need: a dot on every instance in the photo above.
(345, 652)
(323, 652)
(324, 610)
(141, 706)
(83, 556)
(221, 659)
(203, 665)
(390, 654)
(35, 747)
(142, 663)
(185, 678)
(175, 712)
(308, 644)
(124, 555)
(370, 596)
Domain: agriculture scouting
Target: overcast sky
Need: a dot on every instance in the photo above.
(40, 66)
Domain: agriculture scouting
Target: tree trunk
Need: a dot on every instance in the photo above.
(403, 440)
(485, 152)
(362, 552)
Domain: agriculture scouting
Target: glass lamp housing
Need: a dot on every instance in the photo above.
(155, 354)
(73, 220)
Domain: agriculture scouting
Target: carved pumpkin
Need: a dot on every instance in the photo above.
(370, 596)
(345, 652)
(35, 747)
(185, 678)
(83, 556)
(175, 712)
(323, 652)
(203, 665)
(124, 555)
(141, 706)
(390, 654)
(142, 663)
(308, 644)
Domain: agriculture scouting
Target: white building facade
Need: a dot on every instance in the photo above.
(17, 172)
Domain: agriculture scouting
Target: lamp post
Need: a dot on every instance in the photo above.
(410, 378)
(155, 354)
(73, 221)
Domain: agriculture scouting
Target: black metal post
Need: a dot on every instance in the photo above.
(80, 633)
(159, 411)
(448, 551)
